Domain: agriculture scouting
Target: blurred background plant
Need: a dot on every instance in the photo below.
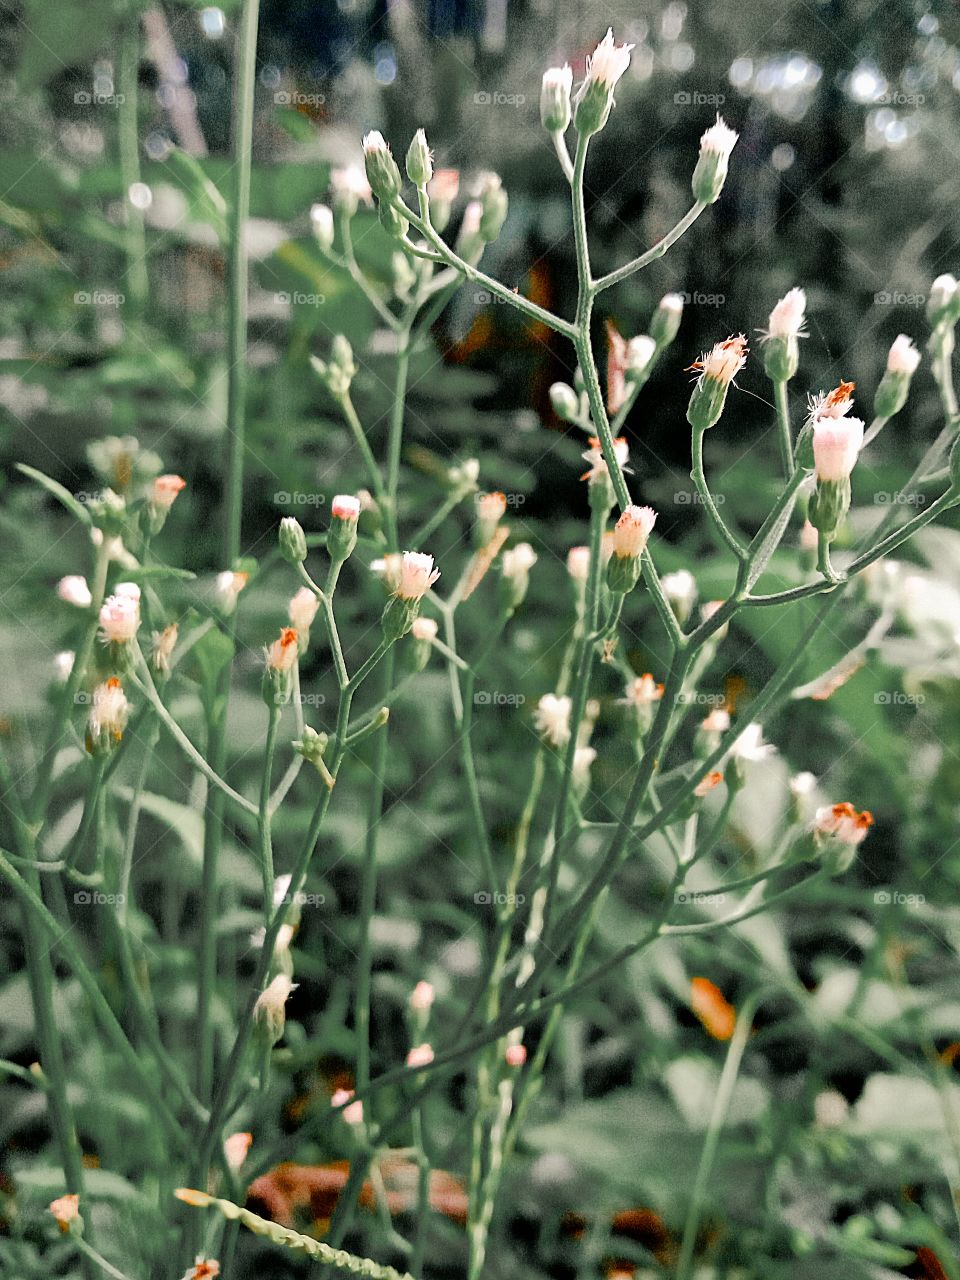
(841, 1155)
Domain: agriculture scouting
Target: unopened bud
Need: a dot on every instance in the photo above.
(494, 205)
(565, 402)
(269, 1013)
(665, 321)
(902, 361)
(321, 220)
(419, 160)
(382, 171)
(595, 95)
(555, 90)
(342, 535)
(943, 301)
(711, 169)
(293, 541)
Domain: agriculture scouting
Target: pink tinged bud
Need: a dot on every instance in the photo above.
(345, 507)
(65, 1209)
(632, 531)
(903, 356)
(552, 718)
(472, 217)
(236, 1149)
(73, 590)
(424, 629)
(128, 589)
(516, 1055)
(420, 1055)
(422, 997)
(491, 507)
(836, 443)
(352, 1112)
(808, 537)
(321, 220)
(844, 823)
(63, 665)
(417, 575)
(119, 619)
(750, 745)
(444, 186)
(707, 783)
(282, 654)
(166, 490)
(351, 182)
(303, 609)
(786, 318)
(578, 563)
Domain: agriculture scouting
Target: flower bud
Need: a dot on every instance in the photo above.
(552, 719)
(422, 997)
(515, 1055)
(293, 541)
(836, 444)
(301, 611)
(338, 372)
(109, 711)
(119, 620)
(269, 1013)
(639, 354)
(66, 1211)
(73, 590)
(578, 564)
(711, 729)
(227, 588)
(311, 745)
(321, 220)
(491, 508)
(943, 301)
(163, 493)
(416, 576)
(348, 187)
(394, 223)
(902, 361)
(781, 350)
(352, 1112)
(280, 662)
(565, 402)
(838, 831)
(515, 566)
(235, 1150)
(493, 207)
(423, 632)
(711, 169)
(107, 511)
(680, 590)
(342, 535)
(665, 321)
(163, 644)
(555, 90)
(600, 488)
(595, 95)
(718, 368)
(642, 694)
(419, 160)
(420, 1055)
(382, 171)
(443, 189)
(629, 540)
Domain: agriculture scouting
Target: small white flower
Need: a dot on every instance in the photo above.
(281, 655)
(843, 822)
(424, 629)
(120, 617)
(236, 1149)
(417, 575)
(802, 785)
(374, 143)
(786, 318)
(63, 665)
(632, 531)
(903, 356)
(643, 691)
(165, 489)
(420, 1055)
(351, 181)
(518, 559)
(719, 140)
(680, 587)
(583, 758)
(345, 507)
(227, 588)
(608, 63)
(724, 360)
(640, 352)
(594, 455)
(552, 718)
(163, 644)
(109, 711)
(718, 721)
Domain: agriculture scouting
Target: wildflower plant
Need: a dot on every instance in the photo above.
(687, 766)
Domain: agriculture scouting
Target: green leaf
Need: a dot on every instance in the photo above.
(186, 823)
(56, 490)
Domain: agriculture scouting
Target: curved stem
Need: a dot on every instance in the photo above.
(698, 476)
(652, 254)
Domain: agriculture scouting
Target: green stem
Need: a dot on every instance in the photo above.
(783, 427)
(657, 251)
(237, 273)
(263, 818)
(718, 1114)
(699, 479)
